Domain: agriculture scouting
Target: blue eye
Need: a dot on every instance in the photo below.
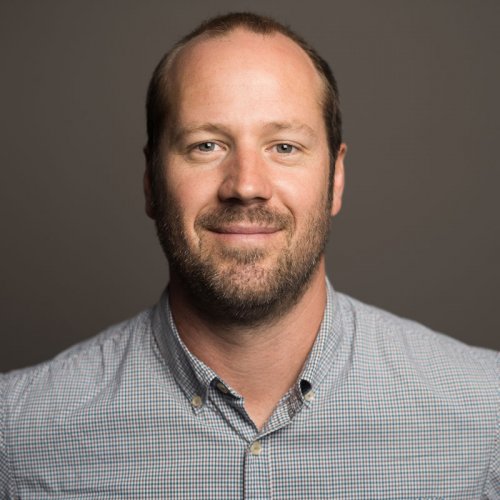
(285, 148)
(206, 147)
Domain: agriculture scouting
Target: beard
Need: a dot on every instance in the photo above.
(242, 285)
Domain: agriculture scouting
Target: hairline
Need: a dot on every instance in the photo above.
(159, 90)
(168, 61)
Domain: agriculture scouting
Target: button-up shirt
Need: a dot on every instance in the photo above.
(383, 409)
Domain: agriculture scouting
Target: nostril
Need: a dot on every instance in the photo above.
(245, 185)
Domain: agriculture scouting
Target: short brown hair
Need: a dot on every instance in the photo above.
(158, 105)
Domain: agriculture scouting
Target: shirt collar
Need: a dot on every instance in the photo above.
(195, 377)
(192, 375)
(330, 334)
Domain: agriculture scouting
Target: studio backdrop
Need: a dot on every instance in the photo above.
(419, 230)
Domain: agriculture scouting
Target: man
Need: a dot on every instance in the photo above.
(251, 378)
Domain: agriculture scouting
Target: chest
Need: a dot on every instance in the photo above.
(336, 448)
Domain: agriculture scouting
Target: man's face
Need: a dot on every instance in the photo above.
(244, 212)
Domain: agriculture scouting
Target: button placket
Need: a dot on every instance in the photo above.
(256, 448)
(257, 470)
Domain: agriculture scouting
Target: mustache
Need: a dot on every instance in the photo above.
(231, 214)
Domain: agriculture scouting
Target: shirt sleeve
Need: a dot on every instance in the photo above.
(492, 487)
(4, 476)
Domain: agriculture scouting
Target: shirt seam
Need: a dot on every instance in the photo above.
(496, 441)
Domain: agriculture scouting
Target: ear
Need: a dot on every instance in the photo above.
(148, 188)
(338, 180)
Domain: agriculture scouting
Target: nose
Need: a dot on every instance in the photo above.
(246, 178)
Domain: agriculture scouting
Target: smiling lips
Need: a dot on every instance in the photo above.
(245, 233)
(234, 224)
(245, 229)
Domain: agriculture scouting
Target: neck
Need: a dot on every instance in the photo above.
(249, 358)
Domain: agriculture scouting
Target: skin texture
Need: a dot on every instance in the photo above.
(245, 201)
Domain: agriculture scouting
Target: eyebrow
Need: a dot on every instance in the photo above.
(275, 126)
(290, 126)
(203, 127)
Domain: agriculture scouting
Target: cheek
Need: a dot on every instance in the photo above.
(190, 182)
(304, 192)
(190, 195)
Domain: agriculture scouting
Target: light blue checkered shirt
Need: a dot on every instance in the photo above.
(384, 409)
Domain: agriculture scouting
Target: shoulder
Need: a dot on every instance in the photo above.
(78, 373)
(409, 350)
(35, 400)
(426, 381)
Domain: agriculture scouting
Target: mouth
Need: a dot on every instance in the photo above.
(244, 234)
(233, 226)
(244, 229)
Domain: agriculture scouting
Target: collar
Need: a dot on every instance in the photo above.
(326, 347)
(195, 377)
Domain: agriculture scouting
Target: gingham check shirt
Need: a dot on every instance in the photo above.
(384, 409)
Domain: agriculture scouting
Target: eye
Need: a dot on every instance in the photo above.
(206, 151)
(285, 148)
(206, 147)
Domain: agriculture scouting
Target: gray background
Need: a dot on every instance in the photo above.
(418, 234)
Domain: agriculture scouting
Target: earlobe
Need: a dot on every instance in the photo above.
(338, 180)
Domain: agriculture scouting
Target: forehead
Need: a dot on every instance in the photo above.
(247, 47)
(249, 64)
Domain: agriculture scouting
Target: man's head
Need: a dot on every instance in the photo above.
(240, 166)
(160, 105)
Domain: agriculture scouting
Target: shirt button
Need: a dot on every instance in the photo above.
(256, 448)
(309, 396)
(222, 387)
(196, 402)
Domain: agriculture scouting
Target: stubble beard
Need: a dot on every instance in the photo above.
(242, 286)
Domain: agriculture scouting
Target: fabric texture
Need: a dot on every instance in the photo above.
(384, 409)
